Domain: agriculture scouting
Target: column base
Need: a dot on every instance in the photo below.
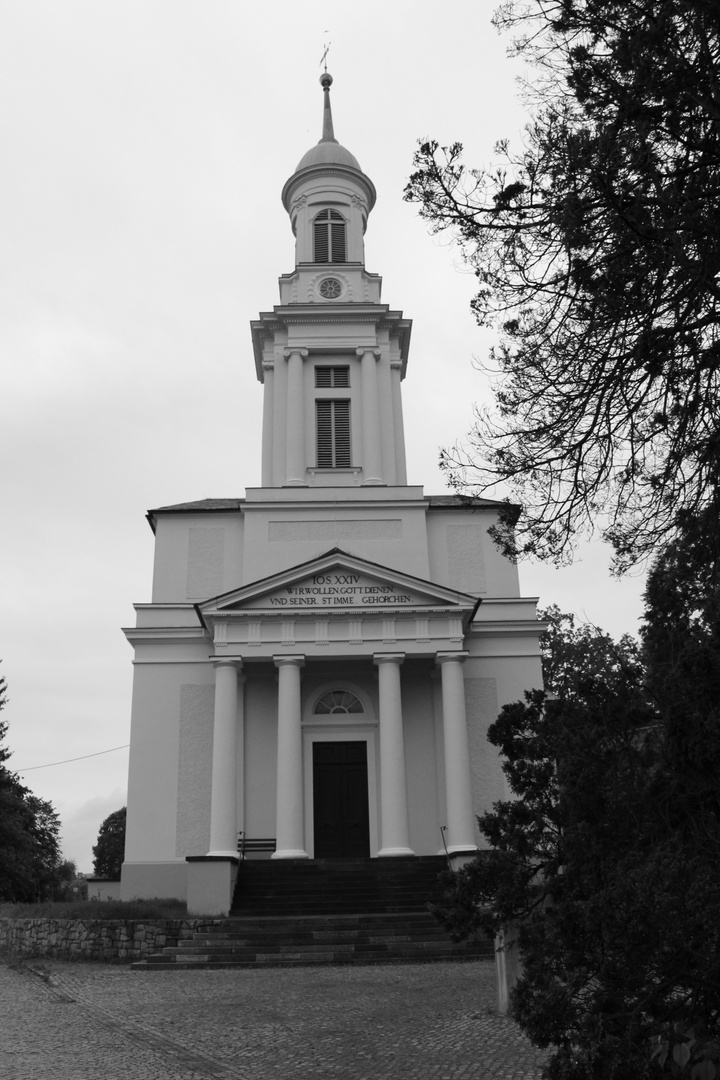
(290, 853)
(389, 852)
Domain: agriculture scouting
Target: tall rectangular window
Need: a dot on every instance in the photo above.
(329, 237)
(332, 376)
(333, 434)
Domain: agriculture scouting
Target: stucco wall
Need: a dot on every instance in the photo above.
(277, 538)
(463, 556)
(259, 796)
(421, 775)
(197, 556)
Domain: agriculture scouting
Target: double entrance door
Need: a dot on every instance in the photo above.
(340, 800)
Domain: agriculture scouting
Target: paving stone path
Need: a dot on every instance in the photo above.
(62, 1021)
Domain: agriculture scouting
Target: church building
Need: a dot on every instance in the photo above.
(321, 659)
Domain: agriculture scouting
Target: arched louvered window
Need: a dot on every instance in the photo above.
(338, 701)
(329, 237)
(333, 434)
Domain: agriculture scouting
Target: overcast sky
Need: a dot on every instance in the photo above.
(146, 143)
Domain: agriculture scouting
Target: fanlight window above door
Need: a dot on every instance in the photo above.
(338, 701)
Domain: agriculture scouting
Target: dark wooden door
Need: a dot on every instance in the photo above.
(340, 800)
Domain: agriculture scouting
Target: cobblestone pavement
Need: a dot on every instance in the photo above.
(63, 1021)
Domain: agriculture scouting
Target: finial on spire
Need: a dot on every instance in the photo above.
(328, 135)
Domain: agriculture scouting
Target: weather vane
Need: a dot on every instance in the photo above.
(323, 59)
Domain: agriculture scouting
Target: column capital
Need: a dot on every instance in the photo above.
(374, 352)
(289, 661)
(287, 353)
(226, 661)
(389, 658)
(458, 657)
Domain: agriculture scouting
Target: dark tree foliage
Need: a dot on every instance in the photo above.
(581, 660)
(681, 644)
(29, 835)
(597, 253)
(109, 852)
(607, 860)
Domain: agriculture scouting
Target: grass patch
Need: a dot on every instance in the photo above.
(97, 909)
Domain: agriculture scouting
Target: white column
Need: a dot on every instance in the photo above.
(394, 828)
(268, 422)
(460, 817)
(371, 432)
(295, 472)
(290, 817)
(223, 801)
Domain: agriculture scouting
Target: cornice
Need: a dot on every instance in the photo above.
(282, 317)
(308, 615)
(328, 169)
(505, 628)
(166, 635)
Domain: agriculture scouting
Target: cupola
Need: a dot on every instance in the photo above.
(328, 198)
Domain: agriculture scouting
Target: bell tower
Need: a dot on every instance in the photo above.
(331, 356)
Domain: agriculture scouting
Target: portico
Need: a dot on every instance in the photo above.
(416, 620)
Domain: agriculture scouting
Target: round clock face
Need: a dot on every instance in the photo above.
(330, 288)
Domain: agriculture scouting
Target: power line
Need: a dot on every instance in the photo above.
(67, 760)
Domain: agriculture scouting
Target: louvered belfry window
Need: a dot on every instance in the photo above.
(333, 434)
(329, 237)
(332, 376)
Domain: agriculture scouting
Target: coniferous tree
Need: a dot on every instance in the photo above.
(606, 859)
(597, 253)
(29, 834)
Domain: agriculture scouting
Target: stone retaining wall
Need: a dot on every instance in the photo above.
(110, 940)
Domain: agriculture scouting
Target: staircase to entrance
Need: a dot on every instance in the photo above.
(325, 911)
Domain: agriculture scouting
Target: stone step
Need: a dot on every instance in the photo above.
(299, 911)
(398, 953)
(258, 941)
(311, 923)
(286, 942)
(329, 960)
(305, 886)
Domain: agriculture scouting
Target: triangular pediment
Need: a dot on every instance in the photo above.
(335, 582)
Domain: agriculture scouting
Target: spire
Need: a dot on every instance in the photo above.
(328, 134)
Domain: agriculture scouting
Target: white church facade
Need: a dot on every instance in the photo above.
(320, 661)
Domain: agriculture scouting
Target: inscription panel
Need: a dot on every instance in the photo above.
(341, 590)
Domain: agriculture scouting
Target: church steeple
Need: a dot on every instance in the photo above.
(331, 356)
